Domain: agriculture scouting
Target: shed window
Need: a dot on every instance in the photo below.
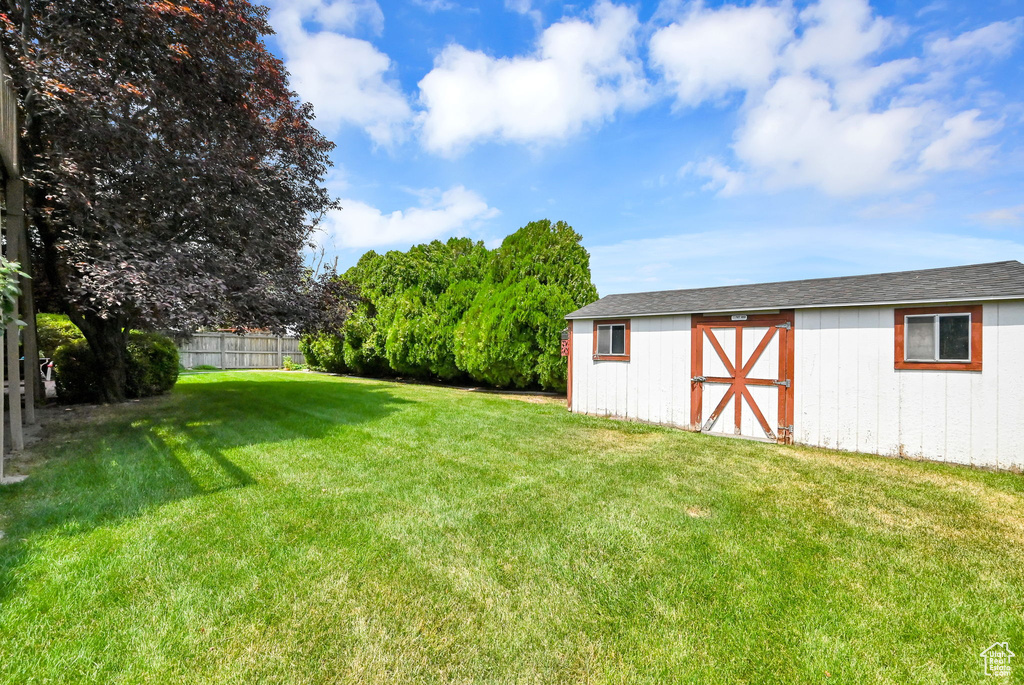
(939, 338)
(611, 340)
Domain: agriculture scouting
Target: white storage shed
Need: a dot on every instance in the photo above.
(926, 364)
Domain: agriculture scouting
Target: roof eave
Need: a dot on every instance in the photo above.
(574, 316)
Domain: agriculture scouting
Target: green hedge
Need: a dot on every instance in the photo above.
(54, 330)
(152, 368)
(458, 311)
(324, 353)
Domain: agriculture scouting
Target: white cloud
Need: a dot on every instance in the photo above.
(581, 73)
(721, 178)
(819, 251)
(821, 109)
(436, 5)
(1005, 216)
(453, 212)
(837, 36)
(525, 7)
(958, 148)
(346, 79)
(997, 39)
(796, 137)
(331, 15)
(712, 52)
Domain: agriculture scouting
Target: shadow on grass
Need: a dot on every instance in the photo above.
(125, 460)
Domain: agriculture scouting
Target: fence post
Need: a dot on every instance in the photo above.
(14, 358)
(16, 225)
(280, 354)
(223, 352)
(3, 413)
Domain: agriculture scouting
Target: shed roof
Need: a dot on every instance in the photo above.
(996, 280)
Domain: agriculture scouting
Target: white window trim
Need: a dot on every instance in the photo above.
(611, 338)
(937, 359)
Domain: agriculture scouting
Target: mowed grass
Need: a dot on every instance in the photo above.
(297, 528)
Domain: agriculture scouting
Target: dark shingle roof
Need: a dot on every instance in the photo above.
(974, 282)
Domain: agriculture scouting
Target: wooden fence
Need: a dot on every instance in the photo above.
(233, 351)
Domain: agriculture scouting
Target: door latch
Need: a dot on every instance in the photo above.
(785, 324)
(784, 383)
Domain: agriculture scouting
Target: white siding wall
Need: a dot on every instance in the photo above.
(654, 385)
(849, 396)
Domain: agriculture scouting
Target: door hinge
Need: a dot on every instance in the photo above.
(698, 379)
(785, 383)
(786, 428)
(785, 324)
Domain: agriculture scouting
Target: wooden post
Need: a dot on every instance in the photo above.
(223, 352)
(14, 358)
(16, 226)
(2, 412)
(280, 354)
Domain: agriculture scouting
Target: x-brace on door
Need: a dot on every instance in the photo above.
(743, 375)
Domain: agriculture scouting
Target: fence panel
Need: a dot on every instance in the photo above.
(232, 351)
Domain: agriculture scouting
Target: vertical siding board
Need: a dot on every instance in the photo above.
(665, 367)
(828, 408)
(593, 380)
(681, 380)
(957, 429)
(654, 398)
(867, 379)
(985, 398)
(580, 372)
(933, 414)
(636, 360)
(1009, 412)
(643, 395)
(621, 385)
(818, 362)
(807, 392)
(847, 374)
(888, 386)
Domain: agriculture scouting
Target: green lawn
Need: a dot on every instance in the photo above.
(296, 528)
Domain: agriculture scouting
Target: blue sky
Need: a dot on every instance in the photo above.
(691, 144)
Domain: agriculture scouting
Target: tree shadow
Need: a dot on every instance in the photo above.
(128, 459)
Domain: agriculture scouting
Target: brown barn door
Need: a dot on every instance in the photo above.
(743, 375)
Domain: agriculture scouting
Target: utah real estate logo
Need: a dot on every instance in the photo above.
(997, 659)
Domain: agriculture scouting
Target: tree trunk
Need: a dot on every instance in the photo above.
(108, 340)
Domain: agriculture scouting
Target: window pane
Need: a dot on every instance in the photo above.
(618, 339)
(604, 339)
(920, 338)
(955, 337)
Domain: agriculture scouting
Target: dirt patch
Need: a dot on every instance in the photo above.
(625, 440)
(533, 399)
(998, 512)
(55, 421)
(697, 512)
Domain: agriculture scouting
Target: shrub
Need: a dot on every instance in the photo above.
(152, 368)
(290, 364)
(324, 352)
(54, 330)
(457, 310)
(76, 376)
